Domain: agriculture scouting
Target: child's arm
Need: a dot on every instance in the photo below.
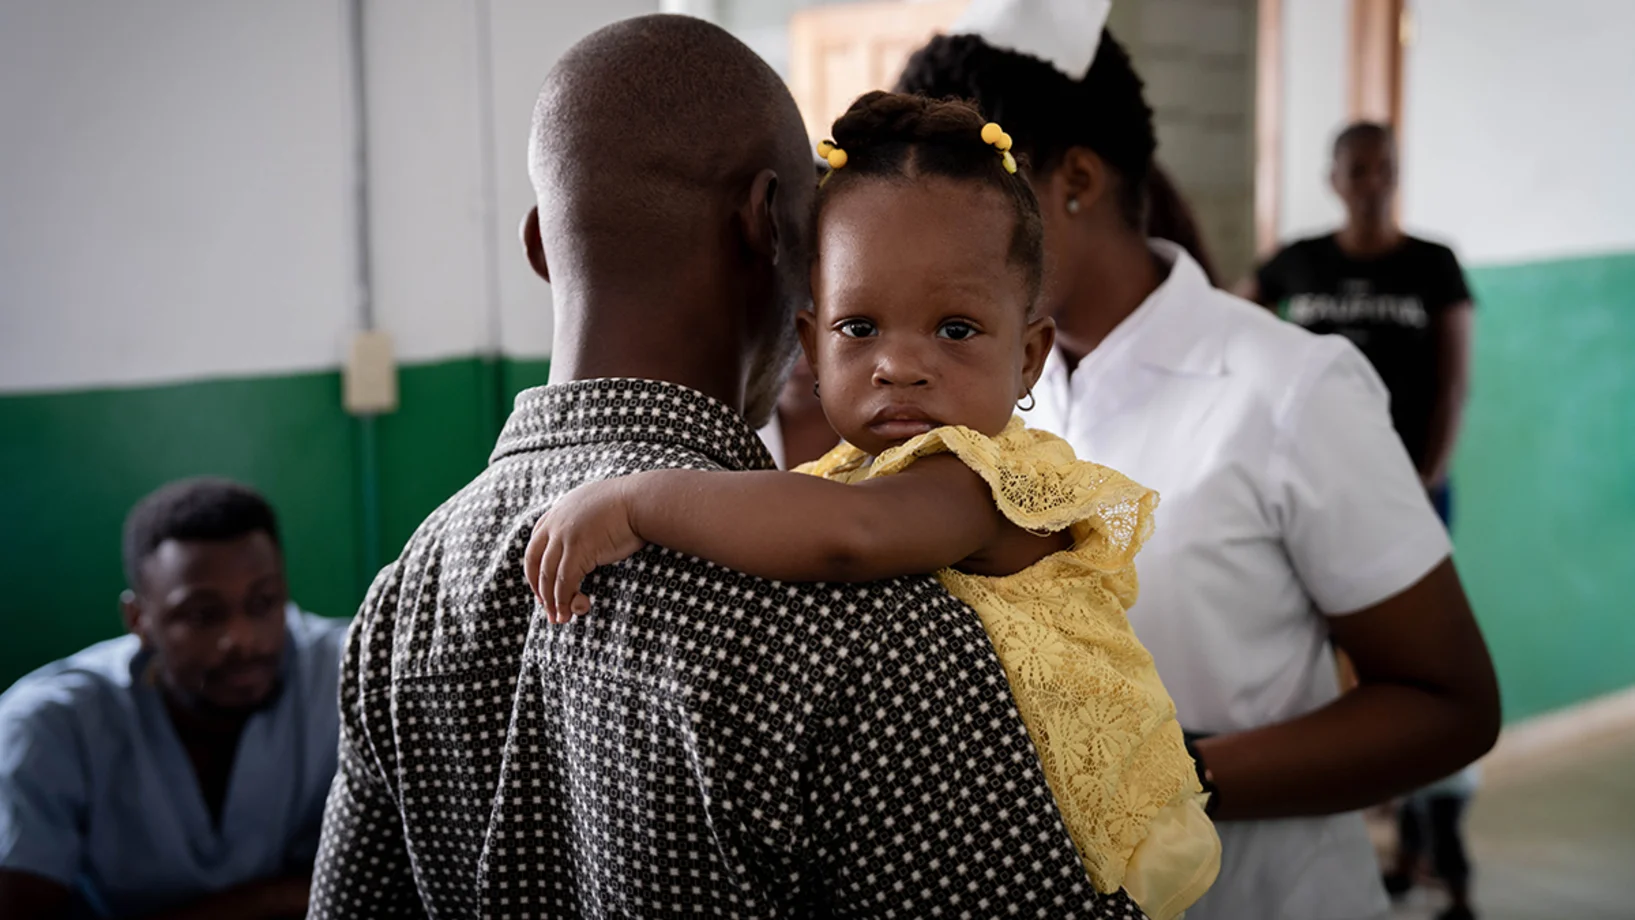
(935, 514)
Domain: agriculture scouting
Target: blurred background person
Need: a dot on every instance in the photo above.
(1400, 299)
(179, 771)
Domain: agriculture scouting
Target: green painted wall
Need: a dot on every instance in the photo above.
(1544, 517)
(71, 465)
(441, 437)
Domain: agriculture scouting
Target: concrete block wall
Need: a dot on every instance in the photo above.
(1198, 60)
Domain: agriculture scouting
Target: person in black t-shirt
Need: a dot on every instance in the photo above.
(1402, 300)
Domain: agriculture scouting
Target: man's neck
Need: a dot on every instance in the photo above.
(199, 725)
(1366, 239)
(1114, 280)
(599, 341)
(210, 741)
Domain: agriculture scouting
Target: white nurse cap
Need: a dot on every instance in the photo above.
(1062, 32)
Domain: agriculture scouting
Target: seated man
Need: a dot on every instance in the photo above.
(179, 771)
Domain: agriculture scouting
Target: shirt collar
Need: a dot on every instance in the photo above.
(623, 409)
(1175, 328)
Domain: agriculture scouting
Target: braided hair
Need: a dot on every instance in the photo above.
(1046, 111)
(898, 137)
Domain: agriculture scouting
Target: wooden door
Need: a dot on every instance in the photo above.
(838, 53)
(1379, 29)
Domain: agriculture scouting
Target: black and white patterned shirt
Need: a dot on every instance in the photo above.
(703, 742)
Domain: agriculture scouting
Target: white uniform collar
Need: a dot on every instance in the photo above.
(1175, 329)
(1065, 33)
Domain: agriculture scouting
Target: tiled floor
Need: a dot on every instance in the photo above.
(1555, 842)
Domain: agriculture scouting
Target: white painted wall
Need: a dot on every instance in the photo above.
(1519, 129)
(425, 172)
(174, 190)
(1197, 60)
(450, 278)
(177, 195)
(1315, 58)
(528, 37)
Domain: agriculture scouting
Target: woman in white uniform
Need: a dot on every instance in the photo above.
(1290, 514)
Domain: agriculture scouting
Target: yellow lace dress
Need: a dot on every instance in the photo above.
(1086, 688)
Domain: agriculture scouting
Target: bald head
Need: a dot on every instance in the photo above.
(670, 163)
(647, 126)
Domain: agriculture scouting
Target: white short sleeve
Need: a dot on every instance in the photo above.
(1356, 522)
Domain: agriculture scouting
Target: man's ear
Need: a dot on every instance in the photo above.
(533, 245)
(760, 217)
(1037, 342)
(130, 610)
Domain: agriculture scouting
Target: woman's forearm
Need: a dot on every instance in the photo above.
(1371, 744)
(1426, 704)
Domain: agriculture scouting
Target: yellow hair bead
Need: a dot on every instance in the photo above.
(836, 158)
(1010, 162)
(1004, 142)
(991, 133)
(824, 148)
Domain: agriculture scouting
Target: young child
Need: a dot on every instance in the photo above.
(929, 262)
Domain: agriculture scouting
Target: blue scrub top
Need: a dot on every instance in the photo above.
(97, 793)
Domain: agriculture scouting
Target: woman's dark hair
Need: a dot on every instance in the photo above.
(1169, 217)
(1046, 111)
(901, 137)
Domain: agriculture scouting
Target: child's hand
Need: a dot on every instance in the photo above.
(586, 528)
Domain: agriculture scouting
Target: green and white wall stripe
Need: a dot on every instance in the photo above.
(178, 252)
(1517, 127)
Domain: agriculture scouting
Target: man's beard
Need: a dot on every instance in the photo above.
(767, 376)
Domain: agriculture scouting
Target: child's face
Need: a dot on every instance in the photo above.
(920, 317)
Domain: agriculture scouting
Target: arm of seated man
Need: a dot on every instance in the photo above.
(43, 803)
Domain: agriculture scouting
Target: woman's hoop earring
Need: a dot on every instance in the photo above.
(815, 393)
(1031, 401)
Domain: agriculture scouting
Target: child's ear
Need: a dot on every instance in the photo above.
(533, 245)
(806, 325)
(1037, 342)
